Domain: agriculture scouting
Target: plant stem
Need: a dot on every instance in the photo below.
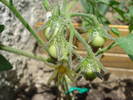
(67, 86)
(81, 39)
(103, 8)
(88, 48)
(100, 51)
(23, 53)
(46, 5)
(90, 16)
(71, 41)
(77, 55)
(23, 21)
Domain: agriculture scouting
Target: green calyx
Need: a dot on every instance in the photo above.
(59, 49)
(89, 67)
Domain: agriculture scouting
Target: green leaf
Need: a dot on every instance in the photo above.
(130, 10)
(85, 5)
(115, 31)
(121, 12)
(11, 2)
(46, 5)
(2, 27)
(131, 27)
(4, 64)
(131, 56)
(114, 3)
(127, 44)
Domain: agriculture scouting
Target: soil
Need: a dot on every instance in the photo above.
(120, 89)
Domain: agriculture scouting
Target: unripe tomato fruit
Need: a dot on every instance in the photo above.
(47, 33)
(98, 41)
(52, 51)
(89, 75)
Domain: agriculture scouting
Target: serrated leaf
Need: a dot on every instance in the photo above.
(4, 64)
(126, 43)
(2, 27)
(115, 31)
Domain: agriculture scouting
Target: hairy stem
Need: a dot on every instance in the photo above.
(90, 16)
(100, 51)
(23, 53)
(81, 39)
(67, 87)
(71, 41)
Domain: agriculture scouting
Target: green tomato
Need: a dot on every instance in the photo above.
(89, 67)
(53, 51)
(47, 33)
(89, 75)
(98, 41)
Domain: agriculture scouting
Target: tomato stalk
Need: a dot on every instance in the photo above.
(88, 48)
(100, 51)
(67, 86)
(90, 16)
(72, 33)
(25, 53)
(46, 5)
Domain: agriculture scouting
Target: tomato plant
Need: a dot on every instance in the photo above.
(60, 33)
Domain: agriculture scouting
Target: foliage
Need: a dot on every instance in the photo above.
(2, 27)
(4, 63)
(126, 43)
(100, 7)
